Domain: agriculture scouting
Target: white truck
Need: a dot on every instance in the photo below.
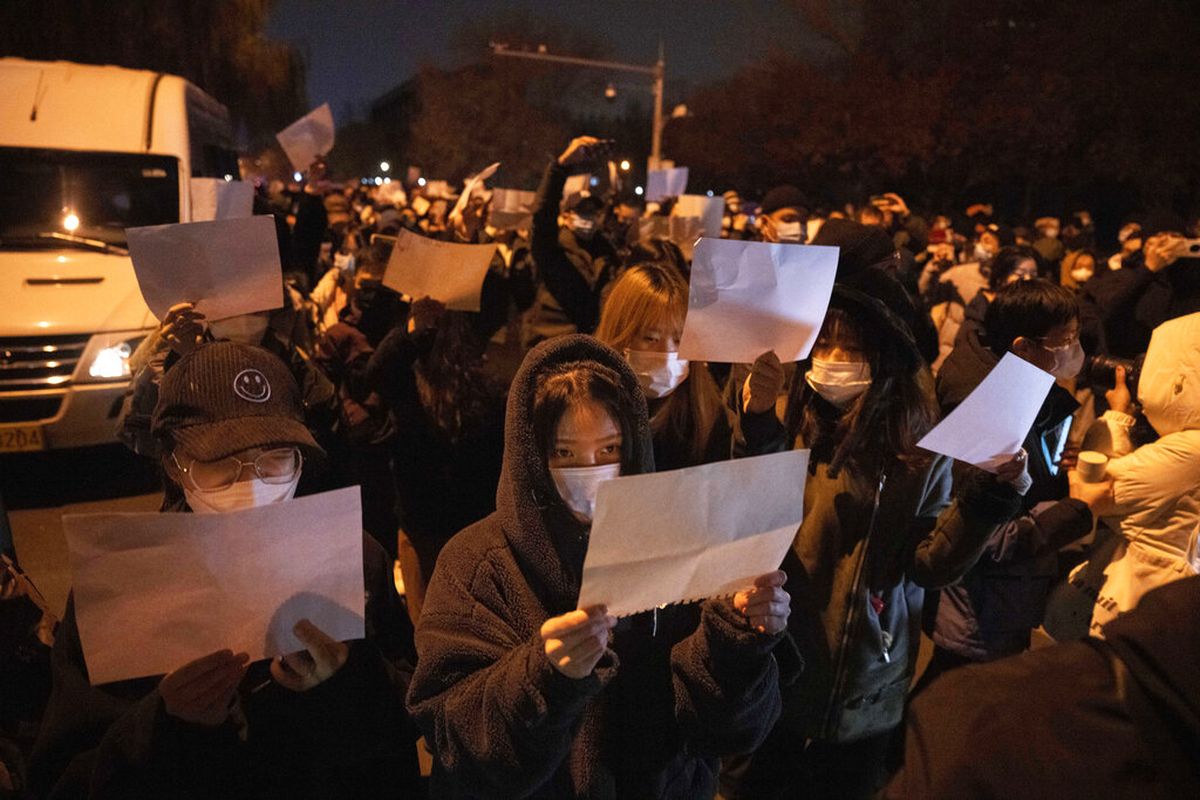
(85, 152)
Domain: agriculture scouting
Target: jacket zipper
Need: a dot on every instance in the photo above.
(839, 680)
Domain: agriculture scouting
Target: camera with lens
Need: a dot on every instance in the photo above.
(1101, 371)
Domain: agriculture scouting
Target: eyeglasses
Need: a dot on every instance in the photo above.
(276, 467)
(1074, 340)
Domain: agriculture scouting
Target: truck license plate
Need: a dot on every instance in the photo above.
(19, 439)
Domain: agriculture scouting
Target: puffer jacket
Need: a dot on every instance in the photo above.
(991, 611)
(1157, 485)
(676, 689)
(868, 548)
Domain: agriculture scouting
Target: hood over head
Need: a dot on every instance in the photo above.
(546, 539)
(1169, 388)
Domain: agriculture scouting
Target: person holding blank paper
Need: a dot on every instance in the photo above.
(326, 722)
(522, 694)
(880, 526)
(643, 317)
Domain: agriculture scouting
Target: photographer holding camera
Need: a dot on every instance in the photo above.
(1158, 283)
(1155, 505)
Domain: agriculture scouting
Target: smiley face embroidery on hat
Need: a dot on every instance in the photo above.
(251, 385)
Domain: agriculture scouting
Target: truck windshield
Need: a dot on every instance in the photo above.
(51, 196)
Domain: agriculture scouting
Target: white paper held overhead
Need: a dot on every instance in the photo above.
(709, 210)
(214, 198)
(747, 298)
(225, 267)
(308, 137)
(471, 186)
(449, 272)
(511, 209)
(155, 591)
(692, 533)
(988, 427)
(661, 183)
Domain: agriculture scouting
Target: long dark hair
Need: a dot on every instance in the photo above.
(883, 425)
(451, 383)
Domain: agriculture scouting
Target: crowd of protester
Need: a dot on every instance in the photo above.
(478, 482)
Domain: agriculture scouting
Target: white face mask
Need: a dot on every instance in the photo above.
(1081, 274)
(982, 253)
(658, 373)
(243, 494)
(839, 382)
(583, 227)
(578, 485)
(1067, 361)
(244, 329)
(791, 232)
(344, 262)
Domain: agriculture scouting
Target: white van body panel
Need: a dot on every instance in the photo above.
(84, 300)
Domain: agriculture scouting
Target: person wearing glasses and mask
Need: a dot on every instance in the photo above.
(643, 318)
(991, 612)
(521, 693)
(783, 216)
(325, 722)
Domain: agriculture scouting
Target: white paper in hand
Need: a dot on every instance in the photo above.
(213, 198)
(448, 272)
(472, 185)
(308, 137)
(661, 183)
(225, 267)
(512, 209)
(693, 533)
(989, 426)
(709, 210)
(576, 184)
(155, 591)
(750, 297)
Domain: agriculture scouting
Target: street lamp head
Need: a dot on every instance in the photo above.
(625, 165)
(384, 166)
(610, 92)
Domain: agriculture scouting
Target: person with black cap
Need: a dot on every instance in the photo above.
(783, 214)
(880, 526)
(574, 260)
(328, 722)
(519, 692)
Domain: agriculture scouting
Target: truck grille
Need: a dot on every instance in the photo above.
(28, 363)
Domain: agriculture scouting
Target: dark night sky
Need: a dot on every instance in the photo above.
(358, 49)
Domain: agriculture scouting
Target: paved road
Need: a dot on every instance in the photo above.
(39, 488)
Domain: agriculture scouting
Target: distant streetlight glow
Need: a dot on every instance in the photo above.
(387, 180)
(71, 222)
(638, 190)
(625, 165)
(296, 176)
(378, 181)
(710, 192)
(384, 166)
(420, 181)
(228, 177)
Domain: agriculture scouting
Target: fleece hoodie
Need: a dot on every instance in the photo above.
(676, 689)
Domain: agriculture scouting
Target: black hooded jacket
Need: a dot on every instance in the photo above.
(1114, 718)
(676, 689)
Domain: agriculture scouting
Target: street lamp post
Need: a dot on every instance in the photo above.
(656, 72)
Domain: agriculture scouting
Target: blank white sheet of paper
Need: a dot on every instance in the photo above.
(308, 137)
(988, 427)
(691, 534)
(449, 272)
(215, 198)
(155, 591)
(750, 297)
(226, 267)
(661, 183)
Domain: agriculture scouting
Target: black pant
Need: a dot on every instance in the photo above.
(786, 766)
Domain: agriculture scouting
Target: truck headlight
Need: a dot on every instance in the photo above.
(107, 356)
